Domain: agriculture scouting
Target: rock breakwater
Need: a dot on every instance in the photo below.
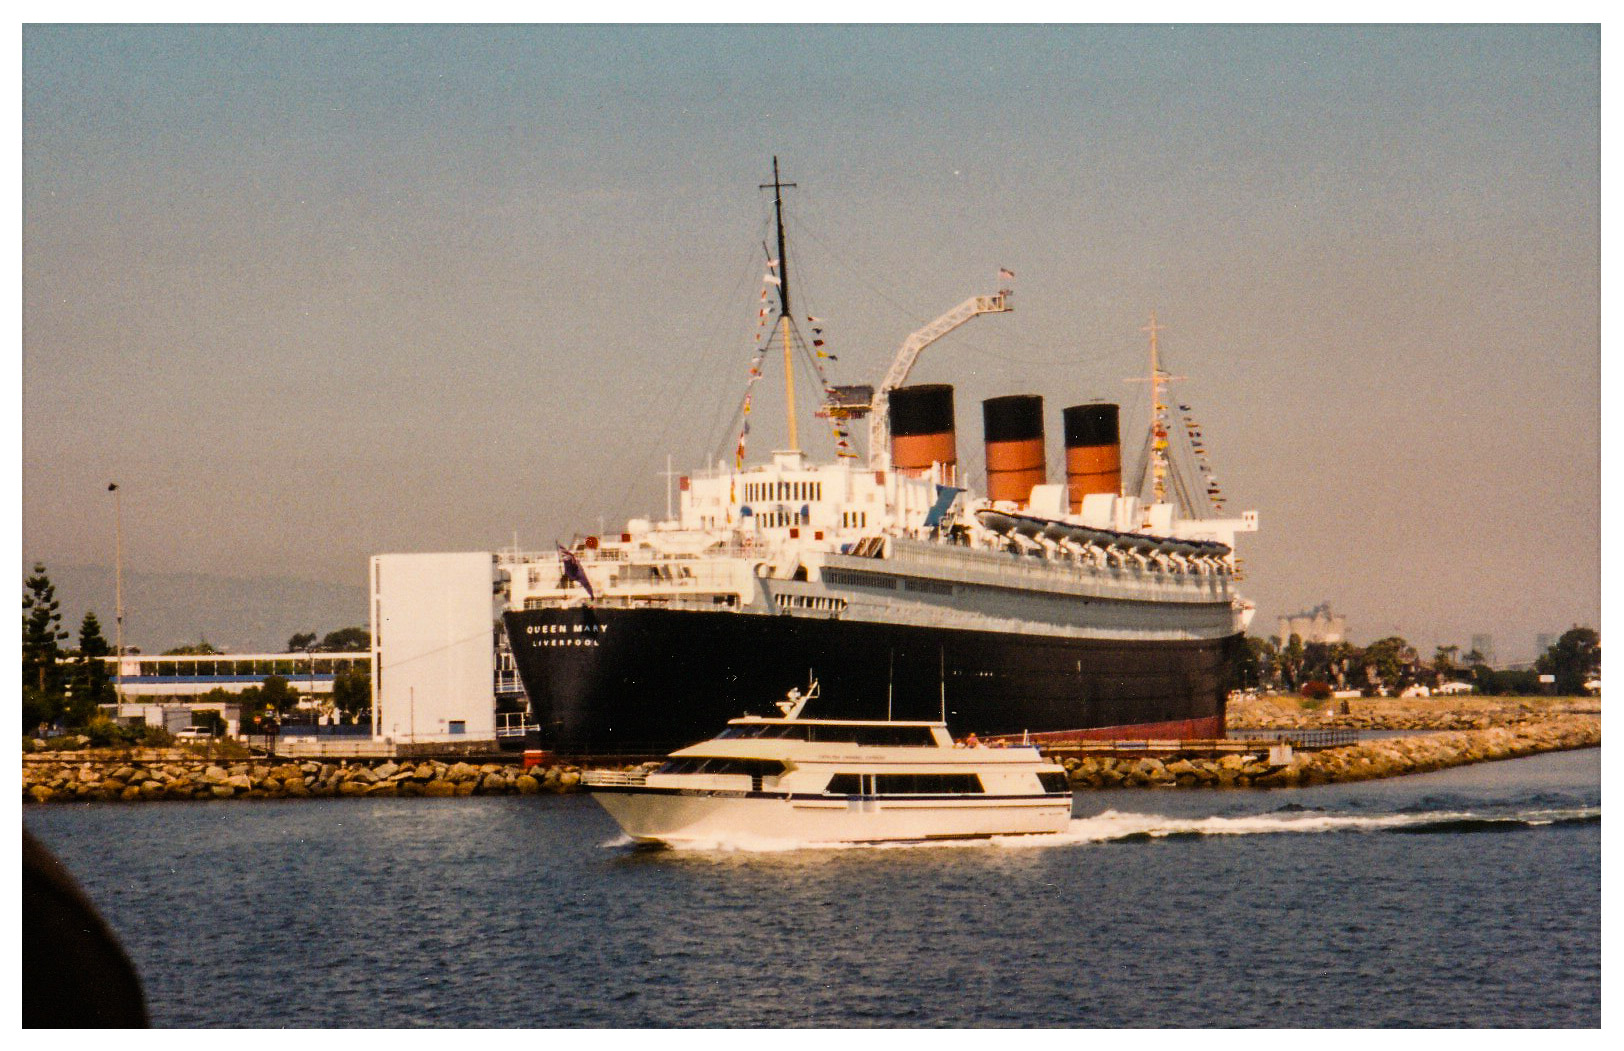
(1289, 712)
(1452, 733)
(1390, 757)
(133, 777)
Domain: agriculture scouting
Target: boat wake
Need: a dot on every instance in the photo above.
(1114, 826)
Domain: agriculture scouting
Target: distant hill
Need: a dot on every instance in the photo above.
(240, 615)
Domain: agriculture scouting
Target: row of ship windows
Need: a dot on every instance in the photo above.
(905, 784)
(729, 599)
(769, 520)
(926, 784)
(779, 519)
(287, 667)
(855, 784)
(821, 602)
(858, 578)
(839, 784)
(863, 579)
(782, 491)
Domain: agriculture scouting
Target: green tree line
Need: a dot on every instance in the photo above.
(1392, 665)
(60, 684)
(65, 686)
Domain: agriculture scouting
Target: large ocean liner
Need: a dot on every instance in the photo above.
(1064, 610)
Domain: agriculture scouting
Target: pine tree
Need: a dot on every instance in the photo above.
(42, 637)
(90, 684)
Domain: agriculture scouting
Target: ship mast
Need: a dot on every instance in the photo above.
(1158, 422)
(783, 305)
(1160, 464)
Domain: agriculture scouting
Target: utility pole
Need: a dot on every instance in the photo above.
(669, 474)
(118, 590)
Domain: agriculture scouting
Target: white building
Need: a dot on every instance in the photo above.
(1317, 625)
(166, 690)
(433, 647)
(138, 676)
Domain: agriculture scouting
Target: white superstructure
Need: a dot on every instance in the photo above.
(844, 541)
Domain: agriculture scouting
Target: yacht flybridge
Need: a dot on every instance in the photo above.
(823, 781)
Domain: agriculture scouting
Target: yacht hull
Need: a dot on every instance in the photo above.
(693, 817)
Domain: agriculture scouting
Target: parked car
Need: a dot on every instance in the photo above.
(194, 733)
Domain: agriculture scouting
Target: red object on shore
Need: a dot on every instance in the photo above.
(534, 757)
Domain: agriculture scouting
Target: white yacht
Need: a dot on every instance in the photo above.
(816, 781)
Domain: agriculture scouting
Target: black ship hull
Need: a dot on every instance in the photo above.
(649, 681)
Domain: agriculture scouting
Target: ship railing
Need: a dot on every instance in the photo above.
(1310, 740)
(716, 551)
(614, 778)
(1254, 741)
(513, 724)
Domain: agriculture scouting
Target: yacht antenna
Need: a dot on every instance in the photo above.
(941, 653)
(783, 303)
(890, 683)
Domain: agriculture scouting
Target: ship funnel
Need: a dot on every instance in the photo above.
(1093, 452)
(1014, 432)
(922, 429)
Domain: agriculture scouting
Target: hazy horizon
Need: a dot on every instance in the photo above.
(310, 294)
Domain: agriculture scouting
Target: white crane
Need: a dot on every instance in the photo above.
(879, 424)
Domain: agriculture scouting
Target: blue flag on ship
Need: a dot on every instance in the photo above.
(573, 570)
(945, 495)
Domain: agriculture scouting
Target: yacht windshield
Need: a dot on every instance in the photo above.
(879, 735)
(697, 764)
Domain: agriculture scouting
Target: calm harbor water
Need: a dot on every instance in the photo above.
(1468, 897)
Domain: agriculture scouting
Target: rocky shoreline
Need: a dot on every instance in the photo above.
(1453, 733)
(131, 776)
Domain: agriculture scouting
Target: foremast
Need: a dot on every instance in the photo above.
(1169, 488)
(784, 317)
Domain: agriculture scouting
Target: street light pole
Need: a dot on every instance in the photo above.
(118, 589)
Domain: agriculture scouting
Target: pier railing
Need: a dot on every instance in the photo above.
(1302, 740)
(614, 778)
(1309, 740)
